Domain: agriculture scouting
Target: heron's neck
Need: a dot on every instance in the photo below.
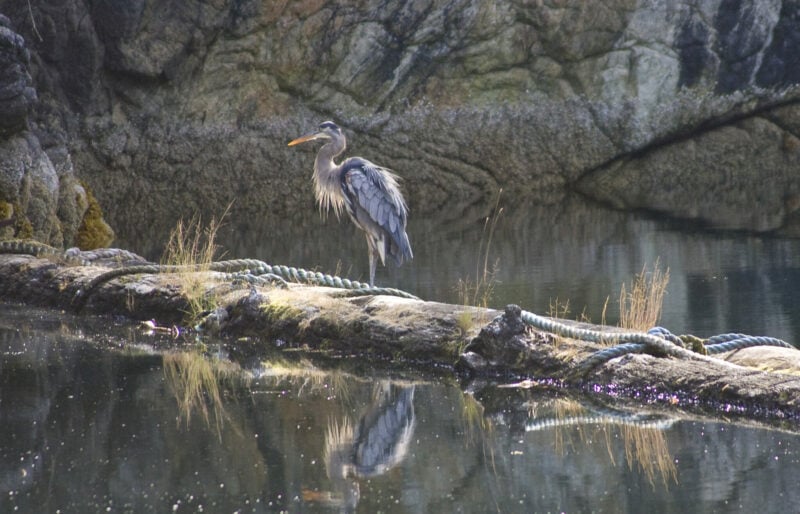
(324, 165)
(326, 178)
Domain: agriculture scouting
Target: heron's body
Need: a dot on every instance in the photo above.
(369, 194)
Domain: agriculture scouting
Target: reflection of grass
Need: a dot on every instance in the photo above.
(475, 424)
(195, 382)
(640, 309)
(565, 408)
(191, 244)
(647, 447)
(338, 448)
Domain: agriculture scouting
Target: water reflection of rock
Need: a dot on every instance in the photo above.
(376, 444)
(59, 399)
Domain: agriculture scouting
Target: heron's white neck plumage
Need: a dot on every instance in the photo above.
(327, 182)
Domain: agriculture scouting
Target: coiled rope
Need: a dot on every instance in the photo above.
(658, 340)
(727, 342)
(101, 256)
(356, 288)
(41, 250)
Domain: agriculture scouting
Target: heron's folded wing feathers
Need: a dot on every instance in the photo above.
(375, 191)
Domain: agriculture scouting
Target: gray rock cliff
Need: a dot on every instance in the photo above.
(168, 107)
(40, 196)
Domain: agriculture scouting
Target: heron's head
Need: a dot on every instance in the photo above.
(327, 130)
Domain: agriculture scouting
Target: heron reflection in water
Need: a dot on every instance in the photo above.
(378, 443)
(368, 192)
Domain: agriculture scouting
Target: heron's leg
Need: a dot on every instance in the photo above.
(373, 259)
(373, 262)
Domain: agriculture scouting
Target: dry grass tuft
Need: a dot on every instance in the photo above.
(640, 309)
(478, 291)
(558, 309)
(191, 244)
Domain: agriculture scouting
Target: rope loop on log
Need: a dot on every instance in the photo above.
(247, 270)
(657, 340)
(252, 271)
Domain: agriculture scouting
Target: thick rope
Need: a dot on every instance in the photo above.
(40, 250)
(357, 288)
(746, 342)
(267, 279)
(242, 269)
(106, 256)
(626, 342)
(720, 343)
(101, 256)
(252, 271)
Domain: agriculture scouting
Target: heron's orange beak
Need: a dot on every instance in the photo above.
(303, 139)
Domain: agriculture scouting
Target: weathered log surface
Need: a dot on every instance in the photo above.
(474, 342)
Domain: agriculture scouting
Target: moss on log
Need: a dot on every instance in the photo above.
(476, 343)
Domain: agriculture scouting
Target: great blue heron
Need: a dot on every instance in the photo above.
(367, 191)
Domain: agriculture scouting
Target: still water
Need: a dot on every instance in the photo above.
(99, 416)
(114, 423)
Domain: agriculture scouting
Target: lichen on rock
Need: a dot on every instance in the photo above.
(93, 232)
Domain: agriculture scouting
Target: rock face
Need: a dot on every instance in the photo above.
(16, 93)
(703, 177)
(39, 194)
(170, 107)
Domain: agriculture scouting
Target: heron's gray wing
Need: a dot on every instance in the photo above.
(372, 193)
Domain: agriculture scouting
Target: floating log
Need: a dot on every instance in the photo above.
(475, 343)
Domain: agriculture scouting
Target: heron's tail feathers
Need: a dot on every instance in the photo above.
(400, 248)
